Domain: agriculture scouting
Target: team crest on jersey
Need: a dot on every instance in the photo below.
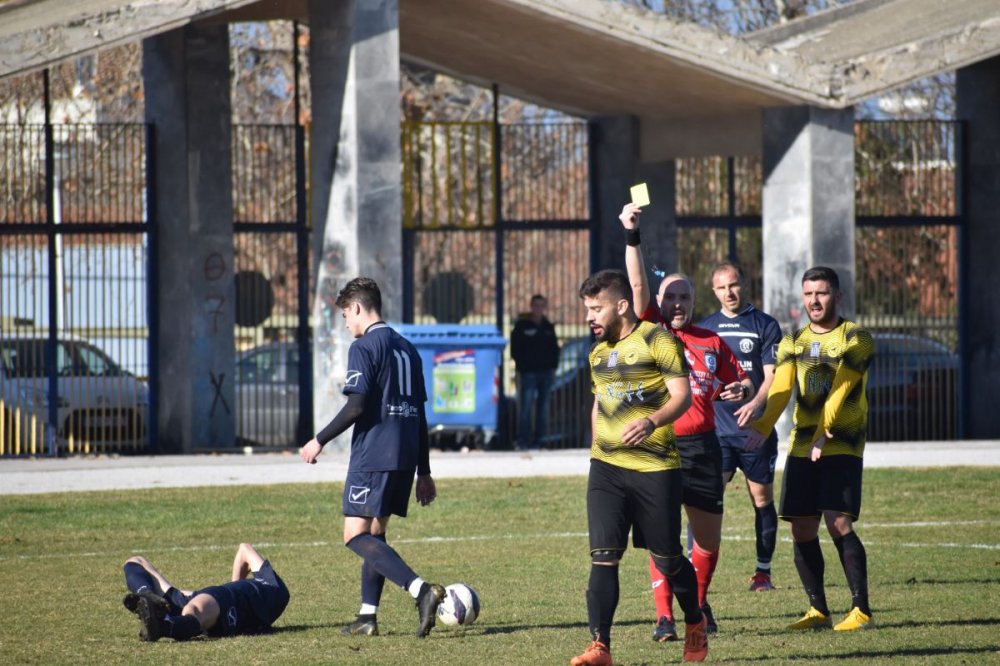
(710, 362)
(746, 345)
(613, 359)
(631, 358)
(814, 350)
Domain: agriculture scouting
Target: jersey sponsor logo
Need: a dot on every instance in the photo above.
(747, 366)
(728, 325)
(358, 494)
(746, 345)
(710, 362)
(625, 393)
(404, 409)
(352, 378)
(818, 385)
(613, 359)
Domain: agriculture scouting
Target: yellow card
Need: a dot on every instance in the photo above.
(640, 194)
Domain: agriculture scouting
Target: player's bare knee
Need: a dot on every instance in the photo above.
(606, 558)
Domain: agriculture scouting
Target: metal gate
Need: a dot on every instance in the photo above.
(493, 215)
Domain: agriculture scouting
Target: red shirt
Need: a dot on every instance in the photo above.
(710, 360)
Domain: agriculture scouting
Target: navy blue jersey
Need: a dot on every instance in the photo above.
(385, 368)
(753, 336)
(249, 606)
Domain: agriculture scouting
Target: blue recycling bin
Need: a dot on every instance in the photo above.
(462, 378)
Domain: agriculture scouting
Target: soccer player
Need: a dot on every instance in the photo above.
(711, 362)
(241, 606)
(385, 404)
(753, 336)
(640, 385)
(827, 361)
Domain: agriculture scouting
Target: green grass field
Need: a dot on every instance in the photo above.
(933, 541)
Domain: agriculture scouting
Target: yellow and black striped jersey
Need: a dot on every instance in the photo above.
(629, 380)
(829, 371)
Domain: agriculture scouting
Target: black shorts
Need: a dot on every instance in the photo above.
(833, 483)
(377, 494)
(249, 606)
(757, 466)
(701, 462)
(647, 502)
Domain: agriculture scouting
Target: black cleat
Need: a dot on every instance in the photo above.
(710, 626)
(428, 600)
(666, 630)
(151, 610)
(131, 600)
(363, 625)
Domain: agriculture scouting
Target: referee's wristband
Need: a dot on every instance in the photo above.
(632, 237)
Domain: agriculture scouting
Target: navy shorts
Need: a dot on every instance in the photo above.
(701, 464)
(647, 502)
(832, 483)
(757, 466)
(377, 494)
(249, 606)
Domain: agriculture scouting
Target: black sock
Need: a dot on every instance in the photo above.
(602, 601)
(811, 567)
(181, 627)
(855, 562)
(766, 531)
(380, 556)
(683, 581)
(372, 582)
(137, 578)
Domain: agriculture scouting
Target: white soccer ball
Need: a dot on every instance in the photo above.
(460, 607)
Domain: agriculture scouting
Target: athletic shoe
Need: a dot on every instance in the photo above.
(428, 600)
(813, 619)
(151, 614)
(710, 625)
(363, 625)
(665, 630)
(131, 600)
(855, 621)
(761, 582)
(696, 641)
(596, 654)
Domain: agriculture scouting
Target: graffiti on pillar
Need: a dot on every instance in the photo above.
(213, 270)
(217, 383)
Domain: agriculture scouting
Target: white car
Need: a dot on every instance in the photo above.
(100, 406)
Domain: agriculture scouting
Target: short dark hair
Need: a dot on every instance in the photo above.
(363, 291)
(728, 266)
(538, 297)
(822, 273)
(612, 281)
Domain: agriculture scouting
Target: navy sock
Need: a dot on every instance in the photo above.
(181, 627)
(602, 601)
(811, 567)
(683, 581)
(372, 582)
(855, 562)
(136, 578)
(383, 559)
(766, 530)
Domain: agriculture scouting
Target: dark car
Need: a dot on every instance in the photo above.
(267, 395)
(912, 389)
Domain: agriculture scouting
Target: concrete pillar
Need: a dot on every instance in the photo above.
(186, 76)
(356, 180)
(978, 98)
(614, 148)
(808, 205)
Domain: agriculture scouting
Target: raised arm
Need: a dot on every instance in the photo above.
(634, 264)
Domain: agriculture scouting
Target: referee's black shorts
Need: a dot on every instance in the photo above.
(701, 462)
(832, 483)
(649, 503)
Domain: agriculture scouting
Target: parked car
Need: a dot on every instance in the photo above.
(912, 389)
(570, 401)
(267, 395)
(99, 403)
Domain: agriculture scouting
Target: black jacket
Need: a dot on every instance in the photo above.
(534, 347)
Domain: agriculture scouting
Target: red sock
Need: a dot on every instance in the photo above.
(704, 565)
(663, 595)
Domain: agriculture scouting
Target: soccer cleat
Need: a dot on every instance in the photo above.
(151, 613)
(696, 640)
(855, 621)
(761, 582)
(131, 600)
(596, 654)
(363, 625)
(428, 600)
(813, 619)
(665, 630)
(710, 625)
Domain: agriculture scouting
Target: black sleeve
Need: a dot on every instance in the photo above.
(424, 453)
(344, 419)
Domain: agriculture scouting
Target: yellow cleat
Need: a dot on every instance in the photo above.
(855, 621)
(813, 619)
